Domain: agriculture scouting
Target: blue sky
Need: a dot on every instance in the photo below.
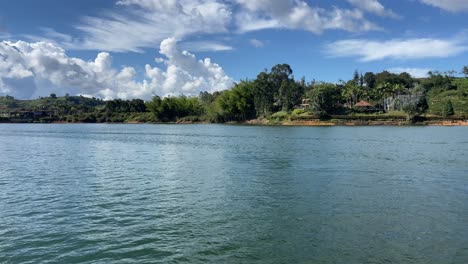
(138, 48)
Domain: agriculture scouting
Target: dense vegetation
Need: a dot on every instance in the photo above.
(73, 109)
(274, 95)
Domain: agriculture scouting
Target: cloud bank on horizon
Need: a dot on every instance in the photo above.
(42, 64)
(38, 64)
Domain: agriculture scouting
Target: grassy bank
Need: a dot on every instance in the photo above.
(393, 118)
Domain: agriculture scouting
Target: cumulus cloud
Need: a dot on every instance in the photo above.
(373, 6)
(185, 72)
(32, 69)
(48, 66)
(449, 5)
(414, 72)
(265, 14)
(417, 48)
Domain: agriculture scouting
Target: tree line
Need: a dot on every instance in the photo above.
(271, 92)
(277, 90)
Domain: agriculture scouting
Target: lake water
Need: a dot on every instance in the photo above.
(233, 194)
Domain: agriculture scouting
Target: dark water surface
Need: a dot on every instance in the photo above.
(233, 194)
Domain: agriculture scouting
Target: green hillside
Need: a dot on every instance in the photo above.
(72, 109)
(439, 98)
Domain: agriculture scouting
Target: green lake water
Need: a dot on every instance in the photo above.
(233, 194)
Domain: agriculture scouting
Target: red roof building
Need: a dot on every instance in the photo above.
(363, 104)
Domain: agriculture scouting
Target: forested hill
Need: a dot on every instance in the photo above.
(72, 109)
(273, 95)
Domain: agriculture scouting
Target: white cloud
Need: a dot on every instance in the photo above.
(414, 72)
(373, 6)
(142, 23)
(449, 5)
(202, 46)
(133, 25)
(51, 33)
(12, 63)
(33, 69)
(417, 48)
(266, 14)
(185, 73)
(256, 43)
(251, 22)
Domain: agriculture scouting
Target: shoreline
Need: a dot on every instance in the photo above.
(304, 123)
(350, 123)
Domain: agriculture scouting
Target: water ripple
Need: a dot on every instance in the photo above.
(229, 194)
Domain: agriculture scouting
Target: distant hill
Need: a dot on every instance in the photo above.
(50, 103)
(72, 109)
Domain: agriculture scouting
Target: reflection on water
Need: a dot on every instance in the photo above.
(232, 194)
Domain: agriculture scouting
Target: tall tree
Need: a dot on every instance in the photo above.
(386, 77)
(405, 79)
(273, 91)
(237, 104)
(369, 80)
(352, 92)
(324, 96)
(290, 94)
(279, 73)
(264, 94)
(356, 77)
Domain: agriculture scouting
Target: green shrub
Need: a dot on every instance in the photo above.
(448, 109)
(279, 116)
(297, 112)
